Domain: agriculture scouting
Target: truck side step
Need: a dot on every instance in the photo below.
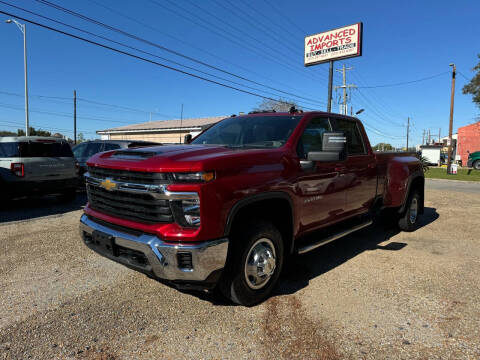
(330, 238)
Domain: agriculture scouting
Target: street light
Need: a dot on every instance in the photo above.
(23, 29)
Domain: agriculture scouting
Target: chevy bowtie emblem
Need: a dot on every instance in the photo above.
(108, 184)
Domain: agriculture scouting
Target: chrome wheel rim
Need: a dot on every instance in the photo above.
(413, 210)
(260, 263)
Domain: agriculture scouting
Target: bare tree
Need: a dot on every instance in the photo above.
(277, 105)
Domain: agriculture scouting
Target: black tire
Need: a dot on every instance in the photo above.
(235, 284)
(476, 165)
(68, 195)
(409, 220)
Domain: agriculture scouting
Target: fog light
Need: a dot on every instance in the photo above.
(187, 212)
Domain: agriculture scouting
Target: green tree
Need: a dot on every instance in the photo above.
(80, 138)
(33, 132)
(277, 105)
(382, 147)
(7, 133)
(473, 87)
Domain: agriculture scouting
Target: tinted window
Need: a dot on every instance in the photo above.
(312, 137)
(354, 138)
(45, 149)
(9, 149)
(250, 132)
(141, 144)
(110, 146)
(79, 150)
(92, 149)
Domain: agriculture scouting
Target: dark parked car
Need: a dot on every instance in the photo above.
(85, 150)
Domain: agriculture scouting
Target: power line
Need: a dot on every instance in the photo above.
(154, 55)
(405, 82)
(383, 104)
(99, 23)
(463, 76)
(377, 113)
(232, 37)
(52, 113)
(285, 17)
(141, 58)
(215, 56)
(119, 107)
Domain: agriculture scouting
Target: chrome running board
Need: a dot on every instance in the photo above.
(326, 240)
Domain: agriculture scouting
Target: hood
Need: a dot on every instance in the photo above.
(182, 158)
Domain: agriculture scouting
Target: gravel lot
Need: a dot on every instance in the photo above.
(376, 294)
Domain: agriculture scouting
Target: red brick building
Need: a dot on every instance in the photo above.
(468, 140)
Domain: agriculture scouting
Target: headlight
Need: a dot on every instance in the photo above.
(187, 212)
(203, 176)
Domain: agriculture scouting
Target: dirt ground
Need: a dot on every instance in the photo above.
(377, 294)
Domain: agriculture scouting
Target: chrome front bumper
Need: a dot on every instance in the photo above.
(161, 259)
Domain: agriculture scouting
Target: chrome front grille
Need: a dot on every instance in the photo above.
(133, 197)
(137, 177)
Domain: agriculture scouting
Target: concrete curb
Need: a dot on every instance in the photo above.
(458, 181)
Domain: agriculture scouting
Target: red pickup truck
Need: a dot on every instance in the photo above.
(227, 209)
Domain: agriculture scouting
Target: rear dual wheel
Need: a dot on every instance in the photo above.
(254, 263)
(409, 220)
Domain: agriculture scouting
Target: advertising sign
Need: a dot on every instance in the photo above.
(341, 43)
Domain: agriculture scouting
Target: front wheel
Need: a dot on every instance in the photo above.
(409, 220)
(253, 265)
(476, 165)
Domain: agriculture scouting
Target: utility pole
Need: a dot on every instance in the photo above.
(343, 70)
(429, 138)
(408, 130)
(330, 80)
(450, 126)
(423, 137)
(75, 117)
(439, 131)
(181, 121)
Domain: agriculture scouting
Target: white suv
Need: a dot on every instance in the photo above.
(36, 165)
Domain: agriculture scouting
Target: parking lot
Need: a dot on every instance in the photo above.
(375, 294)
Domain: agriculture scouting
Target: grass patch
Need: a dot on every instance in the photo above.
(462, 174)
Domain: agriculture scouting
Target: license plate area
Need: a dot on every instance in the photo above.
(104, 242)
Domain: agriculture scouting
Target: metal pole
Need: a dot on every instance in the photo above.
(75, 117)
(450, 126)
(330, 81)
(181, 121)
(408, 130)
(27, 123)
(344, 91)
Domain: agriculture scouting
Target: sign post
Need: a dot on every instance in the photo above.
(336, 44)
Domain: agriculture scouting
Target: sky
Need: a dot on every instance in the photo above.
(260, 40)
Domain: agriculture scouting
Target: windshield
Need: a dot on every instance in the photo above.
(250, 132)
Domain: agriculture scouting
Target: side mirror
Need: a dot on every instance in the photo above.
(187, 139)
(333, 148)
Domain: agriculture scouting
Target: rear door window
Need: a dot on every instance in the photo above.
(92, 149)
(9, 149)
(34, 149)
(79, 150)
(355, 144)
(110, 146)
